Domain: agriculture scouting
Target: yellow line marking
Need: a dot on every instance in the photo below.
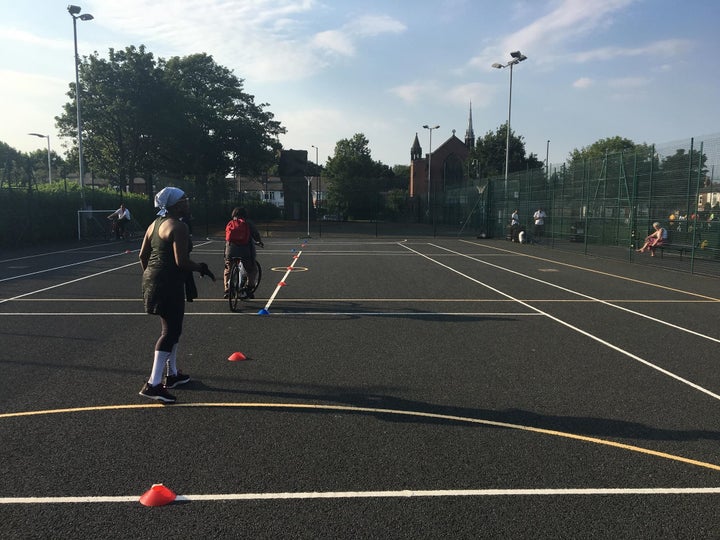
(373, 410)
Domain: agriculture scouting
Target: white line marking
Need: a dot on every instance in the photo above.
(278, 286)
(71, 281)
(64, 266)
(404, 493)
(592, 298)
(592, 270)
(568, 325)
(68, 282)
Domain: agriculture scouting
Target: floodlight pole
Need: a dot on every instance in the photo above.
(74, 11)
(517, 57)
(429, 128)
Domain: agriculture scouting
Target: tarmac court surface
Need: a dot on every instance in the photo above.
(392, 388)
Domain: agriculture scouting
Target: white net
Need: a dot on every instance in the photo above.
(94, 225)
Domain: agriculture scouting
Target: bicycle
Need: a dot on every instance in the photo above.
(238, 286)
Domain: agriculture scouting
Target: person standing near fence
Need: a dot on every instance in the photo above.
(514, 226)
(166, 263)
(539, 231)
(121, 216)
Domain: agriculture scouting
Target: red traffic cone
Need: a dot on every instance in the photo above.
(282, 284)
(234, 357)
(157, 495)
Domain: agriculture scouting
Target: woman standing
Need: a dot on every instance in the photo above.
(166, 264)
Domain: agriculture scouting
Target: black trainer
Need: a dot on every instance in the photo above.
(173, 381)
(157, 392)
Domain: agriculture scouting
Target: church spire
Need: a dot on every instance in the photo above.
(470, 134)
(416, 150)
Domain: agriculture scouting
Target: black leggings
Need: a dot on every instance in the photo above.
(171, 330)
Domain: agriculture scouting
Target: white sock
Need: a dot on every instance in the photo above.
(172, 361)
(158, 367)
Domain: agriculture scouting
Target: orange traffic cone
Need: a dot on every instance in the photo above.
(157, 495)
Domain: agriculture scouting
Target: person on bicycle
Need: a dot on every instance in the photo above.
(240, 238)
(121, 216)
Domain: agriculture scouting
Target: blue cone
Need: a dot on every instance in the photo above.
(263, 312)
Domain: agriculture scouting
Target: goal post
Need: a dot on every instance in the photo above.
(93, 224)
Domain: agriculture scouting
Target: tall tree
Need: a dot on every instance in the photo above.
(489, 151)
(354, 180)
(121, 97)
(602, 147)
(187, 117)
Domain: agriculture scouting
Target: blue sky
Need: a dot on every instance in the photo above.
(647, 70)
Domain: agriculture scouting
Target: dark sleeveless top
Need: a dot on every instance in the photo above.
(163, 283)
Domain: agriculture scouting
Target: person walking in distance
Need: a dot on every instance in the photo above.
(240, 237)
(166, 264)
(539, 231)
(514, 226)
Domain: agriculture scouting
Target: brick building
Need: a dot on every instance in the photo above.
(448, 164)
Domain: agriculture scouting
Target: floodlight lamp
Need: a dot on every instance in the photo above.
(496, 65)
(37, 135)
(74, 10)
(426, 126)
(516, 54)
(86, 17)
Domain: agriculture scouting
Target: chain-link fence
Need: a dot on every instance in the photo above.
(604, 205)
(607, 205)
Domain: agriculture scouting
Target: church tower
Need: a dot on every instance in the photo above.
(469, 133)
(416, 150)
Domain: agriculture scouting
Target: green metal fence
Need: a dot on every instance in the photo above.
(607, 205)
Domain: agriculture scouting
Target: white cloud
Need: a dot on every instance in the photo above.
(570, 20)
(374, 25)
(335, 42)
(412, 92)
(583, 82)
(269, 40)
(665, 48)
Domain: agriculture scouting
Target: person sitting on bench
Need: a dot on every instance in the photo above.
(654, 240)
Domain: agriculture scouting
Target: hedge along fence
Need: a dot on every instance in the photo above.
(49, 213)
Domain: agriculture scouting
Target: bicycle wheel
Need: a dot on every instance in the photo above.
(234, 287)
(259, 276)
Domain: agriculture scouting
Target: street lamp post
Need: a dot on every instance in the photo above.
(74, 13)
(517, 57)
(49, 161)
(429, 165)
